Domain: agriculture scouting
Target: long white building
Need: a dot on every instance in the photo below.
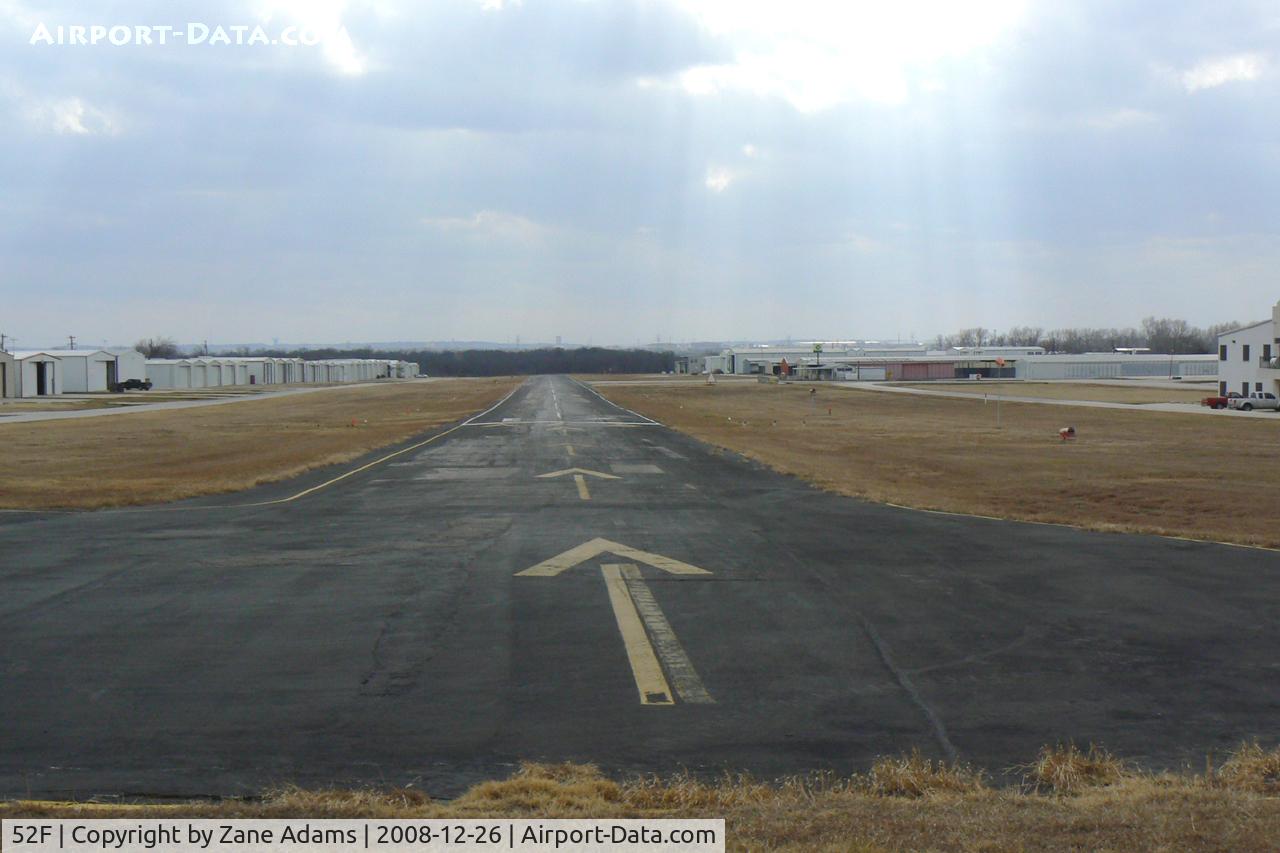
(36, 373)
(1249, 357)
(1116, 365)
(767, 359)
(907, 362)
(221, 371)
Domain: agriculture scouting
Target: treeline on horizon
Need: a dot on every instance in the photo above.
(492, 362)
(1163, 335)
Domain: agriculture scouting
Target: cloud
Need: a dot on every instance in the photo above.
(57, 114)
(1211, 73)
(71, 115)
(1120, 119)
(491, 224)
(863, 244)
(816, 54)
(718, 179)
(325, 19)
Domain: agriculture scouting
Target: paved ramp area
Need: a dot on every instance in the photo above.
(1008, 394)
(224, 396)
(561, 579)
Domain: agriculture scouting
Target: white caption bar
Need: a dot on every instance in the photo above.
(176, 835)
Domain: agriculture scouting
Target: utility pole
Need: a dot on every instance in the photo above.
(3, 338)
(71, 341)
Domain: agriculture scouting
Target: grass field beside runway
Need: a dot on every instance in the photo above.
(151, 457)
(1202, 477)
(1069, 799)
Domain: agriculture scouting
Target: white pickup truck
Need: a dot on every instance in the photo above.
(1256, 400)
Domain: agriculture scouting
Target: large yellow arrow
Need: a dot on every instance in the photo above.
(580, 554)
(579, 471)
(658, 660)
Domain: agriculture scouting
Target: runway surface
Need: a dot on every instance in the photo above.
(561, 579)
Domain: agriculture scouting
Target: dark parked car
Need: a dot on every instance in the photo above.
(131, 385)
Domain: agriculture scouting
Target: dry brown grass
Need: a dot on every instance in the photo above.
(901, 804)
(1135, 393)
(1182, 475)
(1065, 769)
(40, 404)
(916, 776)
(1251, 768)
(148, 457)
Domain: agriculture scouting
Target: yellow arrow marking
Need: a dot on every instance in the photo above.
(579, 471)
(553, 566)
(583, 491)
(650, 681)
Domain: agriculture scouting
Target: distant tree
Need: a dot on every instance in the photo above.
(158, 347)
(1023, 336)
(1174, 336)
(1091, 340)
(1163, 335)
(487, 362)
(1211, 333)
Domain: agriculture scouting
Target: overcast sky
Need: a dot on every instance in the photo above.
(617, 171)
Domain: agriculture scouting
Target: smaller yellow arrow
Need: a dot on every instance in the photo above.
(579, 471)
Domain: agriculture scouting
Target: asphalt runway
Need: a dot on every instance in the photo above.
(688, 610)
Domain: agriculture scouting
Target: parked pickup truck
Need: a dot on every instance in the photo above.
(130, 385)
(1256, 400)
(1219, 401)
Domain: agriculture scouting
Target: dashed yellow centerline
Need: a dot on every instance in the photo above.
(583, 491)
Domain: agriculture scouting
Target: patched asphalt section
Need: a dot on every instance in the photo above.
(375, 631)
